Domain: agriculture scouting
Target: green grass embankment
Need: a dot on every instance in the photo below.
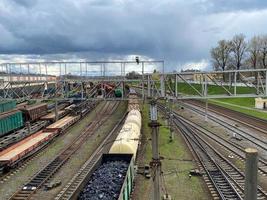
(176, 165)
(212, 89)
(243, 104)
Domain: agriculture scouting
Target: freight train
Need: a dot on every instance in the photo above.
(114, 176)
(14, 117)
(109, 89)
(21, 150)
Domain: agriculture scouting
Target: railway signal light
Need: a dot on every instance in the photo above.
(137, 60)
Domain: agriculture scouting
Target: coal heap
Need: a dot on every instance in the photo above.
(106, 182)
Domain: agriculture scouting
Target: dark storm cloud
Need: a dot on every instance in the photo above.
(176, 31)
(25, 3)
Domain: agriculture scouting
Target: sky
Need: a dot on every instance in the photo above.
(180, 32)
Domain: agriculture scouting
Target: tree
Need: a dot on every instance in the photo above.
(238, 49)
(133, 75)
(263, 51)
(220, 55)
(254, 51)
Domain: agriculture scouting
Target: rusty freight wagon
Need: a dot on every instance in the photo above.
(62, 124)
(52, 116)
(26, 147)
(32, 113)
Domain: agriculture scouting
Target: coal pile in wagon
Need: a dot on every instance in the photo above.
(106, 182)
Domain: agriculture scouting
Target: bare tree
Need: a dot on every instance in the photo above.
(263, 51)
(238, 49)
(220, 55)
(254, 51)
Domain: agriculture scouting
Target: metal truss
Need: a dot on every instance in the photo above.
(89, 76)
(215, 84)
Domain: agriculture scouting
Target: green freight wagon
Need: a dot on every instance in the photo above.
(118, 93)
(7, 105)
(10, 121)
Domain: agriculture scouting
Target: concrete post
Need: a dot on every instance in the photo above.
(28, 125)
(235, 84)
(251, 174)
(176, 86)
(148, 86)
(56, 111)
(171, 120)
(206, 110)
(155, 163)
(143, 86)
(122, 89)
(82, 90)
(162, 85)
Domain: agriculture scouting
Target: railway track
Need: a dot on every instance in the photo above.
(27, 160)
(257, 141)
(227, 180)
(247, 120)
(229, 146)
(76, 183)
(49, 170)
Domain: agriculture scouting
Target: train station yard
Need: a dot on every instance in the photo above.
(118, 138)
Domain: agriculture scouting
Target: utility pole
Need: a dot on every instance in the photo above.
(155, 163)
(169, 117)
(56, 111)
(28, 125)
(206, 109)
(82, 90)
(171, 121)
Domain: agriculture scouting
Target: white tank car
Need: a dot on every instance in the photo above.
(128, 138)
(134, 116)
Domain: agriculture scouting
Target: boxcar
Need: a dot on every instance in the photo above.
(10, 121)
(7, 105)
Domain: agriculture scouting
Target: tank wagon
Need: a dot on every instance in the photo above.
(133, 100)
(118, 92)
(113, 176)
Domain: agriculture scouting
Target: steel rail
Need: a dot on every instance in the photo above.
(261, 122)
(217, 175)
(75, 183)
(49, 170)
(234, 175)
(244, 134)
(231, 147)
